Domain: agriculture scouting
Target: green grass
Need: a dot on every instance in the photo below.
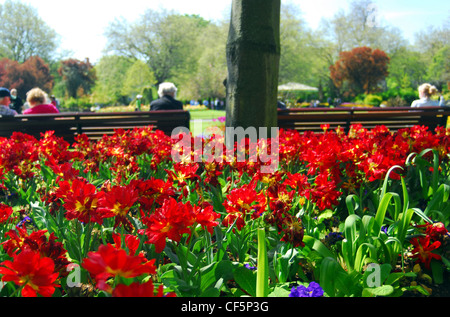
(202, 121)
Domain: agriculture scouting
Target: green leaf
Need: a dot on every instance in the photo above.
(386, 179)
(361, 255)
(208, 276)
(279, 292)
(382, 209)
(384, 290)
(438, 271)
(352, 202)
(262, 281)
(246, 279)
(329, 270)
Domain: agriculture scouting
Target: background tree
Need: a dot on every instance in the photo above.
(137, 77)
(407, 69)
(34, 72)
(211, 67)
(111, 73)
(167, 42)
(433, 44)
(362, 68)
(439, 68)
(296, 57)
(78, 77)
(24, 34)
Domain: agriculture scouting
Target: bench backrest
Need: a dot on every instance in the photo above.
(311, 119)
(94, 125)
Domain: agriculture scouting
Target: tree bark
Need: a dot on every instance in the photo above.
(253, 58)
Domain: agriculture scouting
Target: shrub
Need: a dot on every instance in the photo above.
(373, 100)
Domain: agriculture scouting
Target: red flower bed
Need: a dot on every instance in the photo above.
(122, 217)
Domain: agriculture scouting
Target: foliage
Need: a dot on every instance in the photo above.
(137, 78)
(76, 104)
(24, 34)
(78, 77)
(206, 79)
(166, 42)
(439, 68)
(342, 215)
(362, 67)
(295, 38)
(111, 72)
(373, 100)
(407, 69)
(34, 72)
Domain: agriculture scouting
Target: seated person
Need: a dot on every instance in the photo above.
(167, 94)
(425, 93)
(37, 99)
(5, 100)
(16, 101)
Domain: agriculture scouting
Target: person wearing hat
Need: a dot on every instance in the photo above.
(5, 100)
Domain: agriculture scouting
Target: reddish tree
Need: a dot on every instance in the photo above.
(362, 68)
(34, 72)
(78, 76)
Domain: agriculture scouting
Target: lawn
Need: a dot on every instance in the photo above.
(202, 121)
(206, 114)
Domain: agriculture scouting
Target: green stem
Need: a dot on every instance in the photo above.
(262, 277)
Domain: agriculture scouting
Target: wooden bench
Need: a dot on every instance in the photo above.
(94, 125)
(311, 119)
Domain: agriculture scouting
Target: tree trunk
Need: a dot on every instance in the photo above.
(253, 57)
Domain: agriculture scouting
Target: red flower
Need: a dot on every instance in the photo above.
(131, 242)
(33, 272)
(81, 200)
(172, 220)
(293, 231)
(65, 171)
(422, 251)
(183, 172)
(21, 240)
(111, 261)
(140, 290)
(280, 198)
(205, 216)
(153, 192)
(241, 202)
(37, 241)
(19, 154)
(117, 202)
(5, 212)
(324, 192)
(435, 230)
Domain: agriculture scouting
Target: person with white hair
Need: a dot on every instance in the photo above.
(167, 94)
(426, 91)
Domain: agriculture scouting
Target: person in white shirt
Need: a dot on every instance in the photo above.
(5, 100)
(426, 91)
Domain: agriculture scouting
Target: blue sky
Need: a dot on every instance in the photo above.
(81, 23)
